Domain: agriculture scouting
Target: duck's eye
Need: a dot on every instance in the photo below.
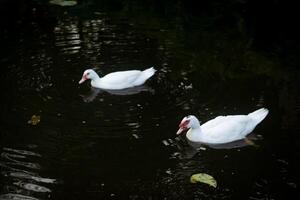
(88, 73)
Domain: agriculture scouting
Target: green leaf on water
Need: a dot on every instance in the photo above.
(204, 178)
(35, 119)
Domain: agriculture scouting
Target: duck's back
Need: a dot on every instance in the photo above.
(118, 80)
(225, 129)
(121, 77)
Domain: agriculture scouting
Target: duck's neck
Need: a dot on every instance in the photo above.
(95, 78)
(195, 133)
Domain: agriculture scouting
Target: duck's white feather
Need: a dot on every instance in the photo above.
(122, 79)
(224, 129)
(117, 80)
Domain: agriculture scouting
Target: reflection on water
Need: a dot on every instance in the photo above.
(20, 175)
(93, 34)
(93, 93)
(32, 187)
(67, 36)
(10, 196)
(28, 176)
(96, 37)
(249, 141)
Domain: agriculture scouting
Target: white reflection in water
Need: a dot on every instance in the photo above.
(23, 175)
(67, 36)
(11, 157)
(32, 187)
(23, 152)
(91, 30)
(93, 93)
(20, 183)
(11, 196)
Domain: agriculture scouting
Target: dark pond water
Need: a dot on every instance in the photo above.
(92, 144)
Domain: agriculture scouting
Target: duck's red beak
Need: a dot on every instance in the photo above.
(182, 126)
(84, 78)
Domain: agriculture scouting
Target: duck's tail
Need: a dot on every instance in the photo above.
(147, 73)
(259, 115)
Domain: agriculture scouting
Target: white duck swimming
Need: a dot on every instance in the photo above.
(222, 129)
(118, 80)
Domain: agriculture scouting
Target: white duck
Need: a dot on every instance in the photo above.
(118, 80)
(222, 129)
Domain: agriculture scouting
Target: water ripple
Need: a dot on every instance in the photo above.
(32, 187)
(23, 152)
(67, 36)
(23, 175)
(11, 196)
(19, 182)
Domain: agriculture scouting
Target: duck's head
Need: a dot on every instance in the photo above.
(88, 74)
(188, 122)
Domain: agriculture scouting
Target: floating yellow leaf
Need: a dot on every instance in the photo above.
(204, 178)
(35, 119)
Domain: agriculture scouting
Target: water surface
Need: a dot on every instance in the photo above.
(93, 144)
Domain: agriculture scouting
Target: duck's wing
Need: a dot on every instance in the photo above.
(123, 77)
(226, 128)
(214, 122)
